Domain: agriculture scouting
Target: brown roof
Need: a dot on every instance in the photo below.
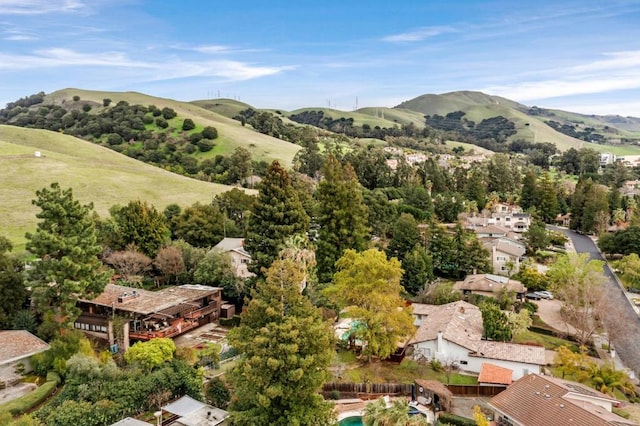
(147, 302)
(18, 344)
(489, 283)
(511, 352)
(537, 400)
(460, 322)
(490, 229)
(495, 374)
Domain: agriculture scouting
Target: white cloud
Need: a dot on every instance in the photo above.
(157, 70)
(214, 48)
(39, 7)
(19, 37)
(419, 34)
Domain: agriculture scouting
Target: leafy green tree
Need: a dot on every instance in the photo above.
(286, 349)
(495, 323)
(203, 225)
(217, 393)
(140, 224)
(381, 212)
(210, 133)
(13, 292)
(531, 277)
(342, 216)
(368, 284)
(216, 270)
(151, 354)
(503, 176)
(579, 282)
(418, 270)
(240, 165)
(66, 243)
(475, 188)
(405, 237)
(277, 214)
(547, 198)
(529, 192)
(536, 237)
(440, 293)
(629, 269)
(519, 322)
(623, 242)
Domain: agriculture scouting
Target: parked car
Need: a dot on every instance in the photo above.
(533, 296)
(545, 294)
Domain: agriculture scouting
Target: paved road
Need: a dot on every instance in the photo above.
(628, 346)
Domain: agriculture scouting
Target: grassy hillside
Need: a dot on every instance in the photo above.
(96, 175)
(231, 133)
(359, 118)
(395, 115)
(479, 106)
(226, 107)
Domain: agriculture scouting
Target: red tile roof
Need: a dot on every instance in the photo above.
(495, 374)
(18, 344)
(537, 400)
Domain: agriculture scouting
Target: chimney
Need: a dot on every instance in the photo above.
(440, 347)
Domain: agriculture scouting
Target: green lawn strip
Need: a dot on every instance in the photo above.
(405, 372)
(549, 342)
(32, 399)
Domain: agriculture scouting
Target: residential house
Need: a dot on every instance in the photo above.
(537, 400)
(452, 334)
(494, 375)
(490, 285)
(505, 254)
(630, 188)
(489, 231)
(130, 421)
(16, 349)
(148, 314)
(187, 411)
(504, 215)
(240, 258)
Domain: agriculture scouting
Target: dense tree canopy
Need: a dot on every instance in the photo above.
(65, 241)
(277, 214)
(368, 285)
(13, 292)
(137, 223)
(286, 348)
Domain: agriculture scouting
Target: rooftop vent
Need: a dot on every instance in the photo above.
(126, 296)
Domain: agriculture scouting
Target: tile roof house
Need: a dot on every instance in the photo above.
(16, 349)
(240, 258)
(452, 333)
(537, 400)
(490, 285)
(164, 313)
(493, 375)
(504, 250)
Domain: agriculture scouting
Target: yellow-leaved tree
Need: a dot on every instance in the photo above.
(367, 285)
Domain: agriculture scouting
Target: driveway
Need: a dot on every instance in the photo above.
(549, 312)
(627, 346)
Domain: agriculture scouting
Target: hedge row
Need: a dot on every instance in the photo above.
(452, 419)
(32, 399)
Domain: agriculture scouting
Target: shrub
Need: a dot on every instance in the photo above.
(168, 113)
(32, 399)
(106, 102)
(86, 107)
(210, 132)
(194, 138)
(162, 123)
(230, 322)
(114, 139)
(188, 124)
(436, 365)
(455, 420)
(76, 98)
(205, 145)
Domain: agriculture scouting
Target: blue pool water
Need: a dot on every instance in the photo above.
(351, 421)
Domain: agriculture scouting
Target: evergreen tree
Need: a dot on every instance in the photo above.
(13, 293)
(547, 199)
(277, 214)
(140, 224)
(528, 195)
(66, 243)
(405, 236)
(495, 323)
(286, 349)
(342, 216)
(475, 188)
(418, 270)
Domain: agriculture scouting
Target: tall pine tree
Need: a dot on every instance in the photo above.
(343, 216)
(65, 241)
(285, 349)
(276, 215)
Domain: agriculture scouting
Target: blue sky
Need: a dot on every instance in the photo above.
(581, 55)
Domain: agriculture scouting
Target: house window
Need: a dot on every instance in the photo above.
(501, 258)
(463, 362)
(508, 219)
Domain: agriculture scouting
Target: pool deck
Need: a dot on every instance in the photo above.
(355, 407)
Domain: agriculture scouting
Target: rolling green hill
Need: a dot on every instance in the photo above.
(231, 133)
(359, 118)
(532, 127)
(226, 107)
(96, 175)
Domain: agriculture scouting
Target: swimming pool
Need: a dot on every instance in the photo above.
(351, 421)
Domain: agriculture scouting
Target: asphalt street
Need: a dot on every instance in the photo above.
(627, 346)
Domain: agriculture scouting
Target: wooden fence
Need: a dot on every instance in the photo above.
(367, 390)
(475, 390)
